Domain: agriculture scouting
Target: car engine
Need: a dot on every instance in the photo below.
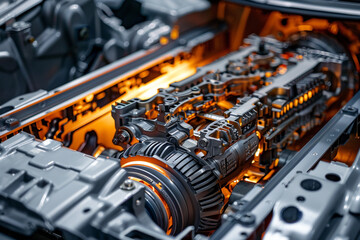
(179, 120)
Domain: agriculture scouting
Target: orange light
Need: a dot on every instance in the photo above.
(98, 151)
(89, 98)
(268, 74)
(174, 32)
(276, 162)
(310, 94)
(149, 162)
(282, 69)
(163, 40)
(296, 102)
(251, 180)
(144, 74)
(258, 134)
(144, 163)
(225, 104)
(301, 100)
(172, 74)
(157, 193)
(305, 97)
(257, 153)
(291, 105)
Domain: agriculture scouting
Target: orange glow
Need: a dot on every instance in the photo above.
(258, 134)
(225, 104)
(227, 193)
(164, 40)
(270, 174)
(282, 69)
(89, 98)
(305, 97)
(301, 100)
(296, 102)
(98, 151)
(143, 163)
(276, 162)
(177, 73)
(157, 193)
(257, 153)
(251, 180)
(150, 163)
(174, 32)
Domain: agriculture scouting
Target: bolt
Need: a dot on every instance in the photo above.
(124, 136)
(239, 204)
(11, 122)
(247, 219)
(203, 142)
(121, 137)
(19, 26)
(127, 185)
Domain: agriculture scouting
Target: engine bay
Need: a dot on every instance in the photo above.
(243, 124)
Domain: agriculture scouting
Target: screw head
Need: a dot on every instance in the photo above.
(203, 142)
(11, 122)
(247, 219)
(128, 185)
(239, 204)
(121, 137)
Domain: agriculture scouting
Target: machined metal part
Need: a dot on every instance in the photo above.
(282, 93)
(342, 9)
(46, 186)
(289, 181)
(44, 103)
(179, 119)
(46, 44)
